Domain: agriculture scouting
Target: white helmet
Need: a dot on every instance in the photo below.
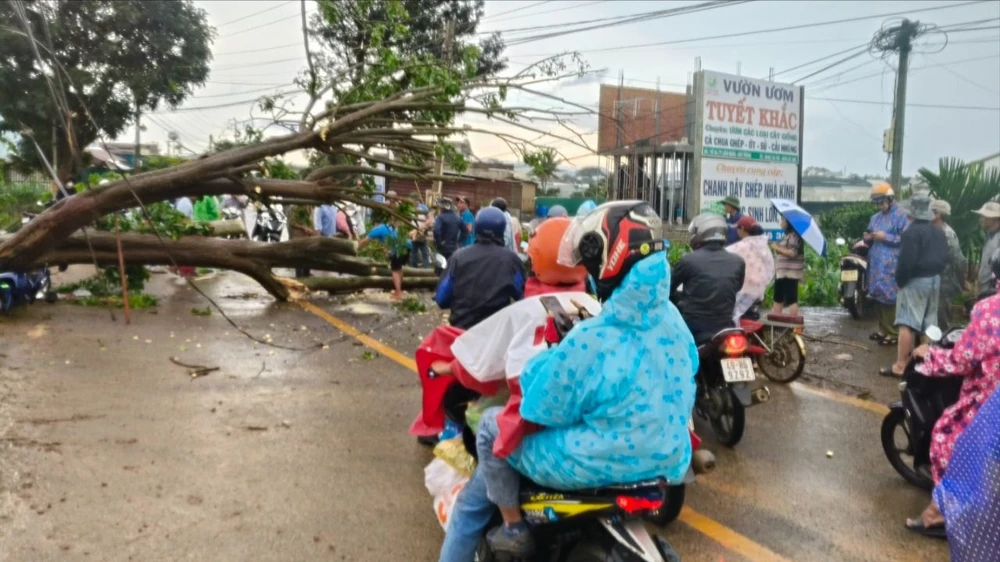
(707, 227)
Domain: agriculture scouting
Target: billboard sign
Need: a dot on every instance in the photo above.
(749, 119)
(753, 183)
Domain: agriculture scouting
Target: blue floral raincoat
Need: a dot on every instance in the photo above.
(884, 254)
(616, 394)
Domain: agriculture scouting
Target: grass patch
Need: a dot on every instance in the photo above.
(207, 311)
(411, 305)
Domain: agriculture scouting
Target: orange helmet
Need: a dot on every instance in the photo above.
(881, 191)
(543, 250)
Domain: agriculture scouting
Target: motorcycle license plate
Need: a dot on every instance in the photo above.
(849, 275)
(738, 370)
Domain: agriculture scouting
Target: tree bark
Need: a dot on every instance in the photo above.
(353, 284)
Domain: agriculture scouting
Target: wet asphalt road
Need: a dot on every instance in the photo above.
(108, 451)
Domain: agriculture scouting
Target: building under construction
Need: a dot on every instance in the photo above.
(645, 134)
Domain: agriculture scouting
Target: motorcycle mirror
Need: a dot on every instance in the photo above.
(933, 333)
(841, 241)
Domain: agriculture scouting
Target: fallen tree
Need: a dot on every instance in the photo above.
(338, 285)
(391, 121)
(254, 259)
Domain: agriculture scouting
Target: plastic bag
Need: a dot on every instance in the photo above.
(452, 452)
(474, 412)
(444, 483)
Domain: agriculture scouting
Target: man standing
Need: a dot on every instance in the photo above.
(883, 235)
(420, 256)
(447, 229)
(324, 221)
(468, 221)
(923, 256)
(733, 215)
(989, 217)
(953, 276)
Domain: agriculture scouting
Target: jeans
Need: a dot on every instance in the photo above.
(420, 256)
(493, 483)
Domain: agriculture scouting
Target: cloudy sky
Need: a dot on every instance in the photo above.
(953, 92)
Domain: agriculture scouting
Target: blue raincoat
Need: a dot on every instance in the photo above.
(616, 394)
(884, 254)
(969, 493)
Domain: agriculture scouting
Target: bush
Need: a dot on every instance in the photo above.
(16, 198)
(848, 221)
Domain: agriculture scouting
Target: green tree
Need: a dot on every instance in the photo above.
(544, 163)
(123, 55)
(965, 187)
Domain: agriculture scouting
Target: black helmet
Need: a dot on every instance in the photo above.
(705, 228)
(611, 239)
(499, 203)
(490, 225)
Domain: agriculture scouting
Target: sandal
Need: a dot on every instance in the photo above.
(888, 372)
(934, 531)
(888, 340)
(876, 336)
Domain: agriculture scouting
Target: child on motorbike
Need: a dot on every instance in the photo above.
(613, 397)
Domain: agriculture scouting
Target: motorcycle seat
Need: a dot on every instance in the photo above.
(785, 318)
(751, 326)
(654, 485)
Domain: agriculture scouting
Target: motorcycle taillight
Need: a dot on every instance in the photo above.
(632, 504)
(734, 345)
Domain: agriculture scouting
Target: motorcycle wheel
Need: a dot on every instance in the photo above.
(852, 306)
(730, 422)
(901, 458)
(785, 363)
(671, 509)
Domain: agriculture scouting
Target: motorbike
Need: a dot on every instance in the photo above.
(725, 373)
(19, 288)
(270, 223)
(776, 343)
(590, 525)
(854, 279)
(232, 214)
(907, 428)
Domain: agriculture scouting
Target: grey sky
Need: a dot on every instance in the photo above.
(838, 134)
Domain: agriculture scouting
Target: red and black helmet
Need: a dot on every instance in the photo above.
(609, 240)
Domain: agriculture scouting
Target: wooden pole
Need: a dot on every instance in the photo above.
(121, 271)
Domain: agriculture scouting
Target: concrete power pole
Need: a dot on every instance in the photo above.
(449, 41)
(899, 39)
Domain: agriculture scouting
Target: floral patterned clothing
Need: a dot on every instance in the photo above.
(884, 255)
(759, 262)
(976, 356)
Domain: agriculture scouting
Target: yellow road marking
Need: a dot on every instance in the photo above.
(354, 333)
(875, 407)
(714, 530)
(728, 538)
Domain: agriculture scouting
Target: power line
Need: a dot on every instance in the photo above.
(276, 47)
(854, 48)
(522, 8)
(265, 24)
(911, 68)
(908, 104)
(256, 13)
(551, 11)
(223, 105)
(776, 29)
(972, 82)
(241, 92)
(831, 65)
(711, 5)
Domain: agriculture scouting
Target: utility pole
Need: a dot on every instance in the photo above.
(449, 40)
(138, 129)
(898, 39)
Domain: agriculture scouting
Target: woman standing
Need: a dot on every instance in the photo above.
(789, 266)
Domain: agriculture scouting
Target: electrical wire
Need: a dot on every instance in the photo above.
(774, 29)
(248, 51)
(912, 68)
(862, 52)
(908, 104)
(256, 13)
(522, 8)
(242, 31)
(564, 8)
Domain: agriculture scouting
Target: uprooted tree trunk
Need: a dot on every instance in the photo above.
(354, 284)
(254, 259)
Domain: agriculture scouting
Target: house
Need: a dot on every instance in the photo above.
(990, 162)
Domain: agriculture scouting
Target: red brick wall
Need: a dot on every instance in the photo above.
(638, 121)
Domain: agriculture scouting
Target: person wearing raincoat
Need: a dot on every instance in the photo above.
(884, 233)
(969, 493)
(753, 248)
(613, 397)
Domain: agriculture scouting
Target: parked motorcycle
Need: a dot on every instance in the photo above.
(270, 223)
(725, 373)
(233, 214)
(19, 288)
(907, 428)
(854, 279)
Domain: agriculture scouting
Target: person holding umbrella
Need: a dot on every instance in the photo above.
(799, 229)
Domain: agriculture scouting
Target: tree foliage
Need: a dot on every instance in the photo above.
(965, 187)
(544, 163)
(119, 55)
(848, 221)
